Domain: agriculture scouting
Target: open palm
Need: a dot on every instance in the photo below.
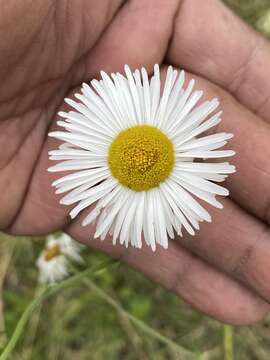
(48, 48)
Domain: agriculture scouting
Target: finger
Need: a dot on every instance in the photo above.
(196, 282)
(135, 37)
(236, 243)
(250, 185)
(211, 41)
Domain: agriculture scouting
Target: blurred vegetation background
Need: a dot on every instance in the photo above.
(78, 324)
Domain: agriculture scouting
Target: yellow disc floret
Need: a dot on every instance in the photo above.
(52, 252)
(141, 157)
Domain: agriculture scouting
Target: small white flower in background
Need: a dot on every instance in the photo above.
(53, 260)
(132, 148)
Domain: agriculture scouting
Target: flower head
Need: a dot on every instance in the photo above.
(53, 260)
(139, 155)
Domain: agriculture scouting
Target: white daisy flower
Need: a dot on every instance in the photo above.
(53, 260)
(131, 151)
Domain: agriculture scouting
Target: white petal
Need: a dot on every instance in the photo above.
(147, 100)
(208, 154)
(191, 129)
(99, 109)
(98, 124)
(121, 84)
(134, 93)
(139, 88)
(205, 140)
(175, 209)
(73, 154)
(93, 192)
(138, 219)
(121, 216)
(85, 130)
(183, 197)
(109, 86)
(200, 183)
(180, 105)
(149, 210)
(197, 116)
(160, 220)
(110, 104)
(86, 202)
(91, 216)
(219, 168)
(86, 181)
(130, 213)
(174, 98)
(80, 140)
(201, 194)
(169, 216)
(123, 99)
(78, 175)
(111, 215)
(155, 94)
(169, 82)
(105, 202)
(77, 165)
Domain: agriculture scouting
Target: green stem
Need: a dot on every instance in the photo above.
(147, 329)
(228, 342)
(21, 325)
(45, 293)
(30, 334)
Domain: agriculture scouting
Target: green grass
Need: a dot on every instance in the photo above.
(256, 12)
(119, 314)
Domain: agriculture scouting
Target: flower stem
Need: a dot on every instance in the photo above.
(186, 354)
(44, 294)
(228, 342)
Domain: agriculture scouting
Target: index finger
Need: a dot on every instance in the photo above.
(211, 41)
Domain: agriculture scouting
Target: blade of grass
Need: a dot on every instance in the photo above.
(254, 343)
(7, 245)
(228, 342)
(131, 333)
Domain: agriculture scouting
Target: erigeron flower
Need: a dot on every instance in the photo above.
(53, 260)
(137, 159)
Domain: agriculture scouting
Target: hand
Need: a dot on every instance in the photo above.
(48, 48)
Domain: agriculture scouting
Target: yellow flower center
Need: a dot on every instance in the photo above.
(52, 252)
(141, 157)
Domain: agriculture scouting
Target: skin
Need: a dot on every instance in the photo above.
(49, 48)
